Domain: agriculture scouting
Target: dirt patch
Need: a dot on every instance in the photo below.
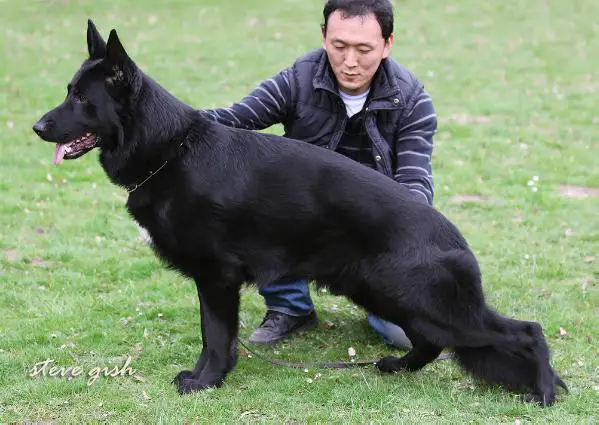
(577, 192)
(11, 255)
(38, 263)
(465, 119)
(469, 198)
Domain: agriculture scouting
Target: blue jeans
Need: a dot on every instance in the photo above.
(293, 298)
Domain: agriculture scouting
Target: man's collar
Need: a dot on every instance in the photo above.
(324, 78)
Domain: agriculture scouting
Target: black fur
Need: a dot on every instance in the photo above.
(233, 206)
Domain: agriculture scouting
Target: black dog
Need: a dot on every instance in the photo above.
(226, 206)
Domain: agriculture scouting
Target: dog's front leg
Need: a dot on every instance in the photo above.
(219, 310)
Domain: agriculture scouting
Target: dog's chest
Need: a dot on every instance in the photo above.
(157, 219)
(176, 229)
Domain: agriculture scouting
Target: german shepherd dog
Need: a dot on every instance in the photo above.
(226, 206)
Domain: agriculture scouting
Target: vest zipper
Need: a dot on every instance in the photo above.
(340, 128)
(380, 157)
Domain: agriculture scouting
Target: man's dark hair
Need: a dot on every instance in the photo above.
(382, 10)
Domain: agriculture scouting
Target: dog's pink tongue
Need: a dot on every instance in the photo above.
(59, 153)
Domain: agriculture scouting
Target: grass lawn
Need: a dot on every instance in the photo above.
(515, 84)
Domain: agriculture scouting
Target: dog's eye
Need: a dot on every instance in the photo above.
(79, 97)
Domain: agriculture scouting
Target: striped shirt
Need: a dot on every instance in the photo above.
(414, 148)
(271, 103)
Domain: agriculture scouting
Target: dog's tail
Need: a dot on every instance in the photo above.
(496, 365)
(496, 349)
(487, 345)
(520, 365)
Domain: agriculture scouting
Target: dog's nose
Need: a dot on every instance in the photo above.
(39, 128)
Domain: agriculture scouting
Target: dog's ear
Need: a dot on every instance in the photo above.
(96, 46)
(119, 68)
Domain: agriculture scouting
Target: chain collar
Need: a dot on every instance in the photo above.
(134, 187)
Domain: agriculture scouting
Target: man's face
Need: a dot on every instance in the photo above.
(355, 47)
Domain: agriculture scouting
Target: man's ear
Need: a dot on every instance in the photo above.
(96, 46)
(388, 44)
(119, 68)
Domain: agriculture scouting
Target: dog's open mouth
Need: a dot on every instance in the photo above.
(75, 148)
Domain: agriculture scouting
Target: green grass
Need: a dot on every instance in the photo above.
(515, 84)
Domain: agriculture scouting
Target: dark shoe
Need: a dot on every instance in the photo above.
(277, 326)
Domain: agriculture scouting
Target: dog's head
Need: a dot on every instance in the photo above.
(98, 95)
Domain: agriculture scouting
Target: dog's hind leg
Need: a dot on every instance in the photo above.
(496, 349)
(219, 315)
(392, 307)
(450, 311)
(421, 354)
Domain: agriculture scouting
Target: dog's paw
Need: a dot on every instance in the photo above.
(546, 395)
(186, 386)
(543, 400)
(187, 383)
(184, 374)
(389, 364)
(190, 385)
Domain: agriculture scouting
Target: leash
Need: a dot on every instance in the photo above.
(325, 365)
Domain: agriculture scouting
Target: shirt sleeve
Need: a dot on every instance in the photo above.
(266, 105)
(414, 148)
